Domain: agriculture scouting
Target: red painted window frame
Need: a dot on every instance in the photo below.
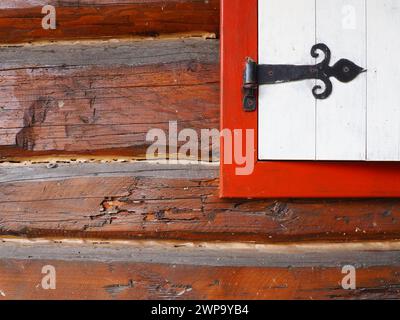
(283, 179)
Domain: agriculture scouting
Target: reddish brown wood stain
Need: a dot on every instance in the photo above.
(21, 280)
(109, 19)
(84, 108)
(90, 100)
(136, 206)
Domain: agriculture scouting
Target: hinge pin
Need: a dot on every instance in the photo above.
(250, 86)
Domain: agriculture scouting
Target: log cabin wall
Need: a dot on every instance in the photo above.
(77, 192)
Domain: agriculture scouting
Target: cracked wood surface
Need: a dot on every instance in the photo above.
(164, 201)
(21, 20)
(97, 100)
(104, 97)
(196, 271)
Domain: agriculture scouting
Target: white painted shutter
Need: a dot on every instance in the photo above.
(361, 119)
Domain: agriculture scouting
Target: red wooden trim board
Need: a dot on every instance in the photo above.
(278, 179)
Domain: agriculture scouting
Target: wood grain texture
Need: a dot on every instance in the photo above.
(383, 79)
(341, 128)
(98, 100)
(21, 21)
(161, 201)
(192, 271)
(293, 124)
(286, 110)
(84, 98)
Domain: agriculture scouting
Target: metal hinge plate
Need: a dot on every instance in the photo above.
(255, 75)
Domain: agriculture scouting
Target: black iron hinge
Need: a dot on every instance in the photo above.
(255, 75)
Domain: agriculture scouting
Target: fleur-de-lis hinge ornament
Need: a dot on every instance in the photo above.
(254, 75)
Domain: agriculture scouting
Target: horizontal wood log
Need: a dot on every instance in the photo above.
(21, 20)
(197, 271)
(103, 98)
(146, 200)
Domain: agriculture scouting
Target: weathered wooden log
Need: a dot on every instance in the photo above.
(21, 20)
(197, 271)
(104, 97)
(156, 201)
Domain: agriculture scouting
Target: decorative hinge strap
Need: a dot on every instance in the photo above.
(254, 75)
